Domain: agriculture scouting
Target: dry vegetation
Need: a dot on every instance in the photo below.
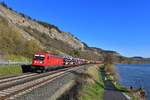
(12, 41)
(58, 45)
(92, 86)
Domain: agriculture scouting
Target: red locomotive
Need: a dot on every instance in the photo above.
(46, 61)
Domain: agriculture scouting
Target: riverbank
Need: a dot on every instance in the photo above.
(112, 78)
(103, 86)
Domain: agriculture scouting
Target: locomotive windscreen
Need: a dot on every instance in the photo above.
(39, 57)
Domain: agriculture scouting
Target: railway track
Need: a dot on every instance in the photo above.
(7, 79)
(14, 87)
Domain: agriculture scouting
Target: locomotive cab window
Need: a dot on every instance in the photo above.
(39, 57)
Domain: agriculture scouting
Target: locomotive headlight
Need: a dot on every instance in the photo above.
(34, 61)
(41, 62)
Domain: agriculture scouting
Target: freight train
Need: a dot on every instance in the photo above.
(43, 62)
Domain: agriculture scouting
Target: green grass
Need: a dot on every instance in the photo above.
(126, 91)
(93, 91)
(10, 69)
(132, 96)
(17, 58)
(120, 88)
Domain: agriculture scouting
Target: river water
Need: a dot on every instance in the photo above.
(135, 75)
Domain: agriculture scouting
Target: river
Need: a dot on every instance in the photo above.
(135, 76)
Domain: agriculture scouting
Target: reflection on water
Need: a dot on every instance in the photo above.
(135, 76)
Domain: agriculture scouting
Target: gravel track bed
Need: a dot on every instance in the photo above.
(25, 79)
(28, 85)
(47, 92)
(42, 77)
(16, 78)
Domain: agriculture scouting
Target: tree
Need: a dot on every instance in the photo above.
(108, 59)
(109, 66)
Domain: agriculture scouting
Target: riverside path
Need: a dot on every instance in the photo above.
(111, 93)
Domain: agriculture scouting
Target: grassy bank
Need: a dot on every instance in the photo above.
(10, 69)
(127, 91)
(93, 88)
(113, 76)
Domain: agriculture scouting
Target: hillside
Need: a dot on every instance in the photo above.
(20, 35)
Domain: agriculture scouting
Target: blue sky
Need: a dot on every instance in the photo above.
(121, 25)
